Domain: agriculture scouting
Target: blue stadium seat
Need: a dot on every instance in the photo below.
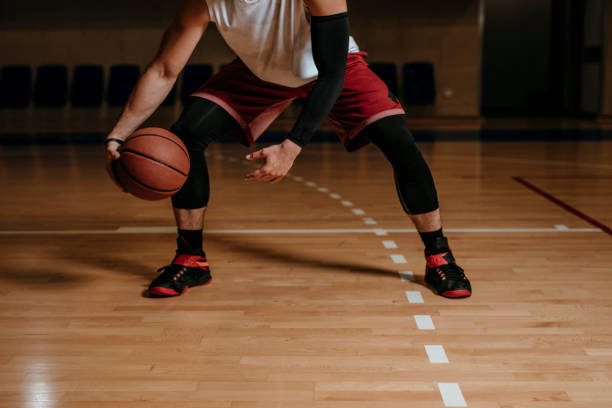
(387, 71)
(194, 76)
(121, 82)
(419, 84)
(51, 86)
(87, 87)
(15, 86)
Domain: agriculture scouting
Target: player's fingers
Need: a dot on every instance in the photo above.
(255, 175)
(260, 154)
(266, 177)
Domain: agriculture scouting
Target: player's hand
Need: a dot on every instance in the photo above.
(112, 154)
(278, 160)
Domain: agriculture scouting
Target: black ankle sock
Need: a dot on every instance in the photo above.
(189, 242)
(435, 242)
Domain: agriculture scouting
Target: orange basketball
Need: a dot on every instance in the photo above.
(153, 165)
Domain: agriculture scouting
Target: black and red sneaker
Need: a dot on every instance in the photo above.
(445, 276)
(184, 272)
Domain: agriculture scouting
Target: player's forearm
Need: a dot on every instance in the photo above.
(150, 91)
(329, 47)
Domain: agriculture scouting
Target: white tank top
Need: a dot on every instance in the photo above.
(272, 38)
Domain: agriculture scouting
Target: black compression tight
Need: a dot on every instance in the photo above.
(201, 123)
(415, 184)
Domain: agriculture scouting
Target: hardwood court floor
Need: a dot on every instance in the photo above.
(307, 308)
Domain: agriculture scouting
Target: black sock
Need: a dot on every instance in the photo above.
(435, 242)
(189, 242)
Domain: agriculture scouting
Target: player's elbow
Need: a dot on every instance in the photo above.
(164, 70)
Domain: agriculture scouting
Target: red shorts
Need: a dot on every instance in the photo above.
(255, 103)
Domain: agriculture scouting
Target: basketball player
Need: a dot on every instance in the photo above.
(287, 49)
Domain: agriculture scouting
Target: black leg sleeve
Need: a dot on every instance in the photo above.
(413, 179)
(201, 123)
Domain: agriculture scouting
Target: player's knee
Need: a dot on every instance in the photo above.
(191, 197)
(195, 192)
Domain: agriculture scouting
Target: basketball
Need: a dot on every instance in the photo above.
(153, 165)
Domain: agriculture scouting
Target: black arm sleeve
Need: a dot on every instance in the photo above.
(330, 36)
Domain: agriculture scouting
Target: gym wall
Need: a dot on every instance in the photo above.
(607, 76)
(444, 32)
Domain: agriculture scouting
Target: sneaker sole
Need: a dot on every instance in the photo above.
(456, 294)
(161, 291)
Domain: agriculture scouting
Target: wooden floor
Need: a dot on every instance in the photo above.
(308, 307)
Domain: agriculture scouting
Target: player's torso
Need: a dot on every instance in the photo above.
(272, 37)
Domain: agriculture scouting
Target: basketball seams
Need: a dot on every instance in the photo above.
(136, 180)
(163, 137)
(137, 153)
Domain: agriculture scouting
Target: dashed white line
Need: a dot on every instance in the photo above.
(346, 203)
(389, 244)
(414, 296)
(323, 189)
(335, 196)
(358, 211)
(369, 221)
(398, 259)
(380, 232)
(424, 322)
(451, 395)
(311, 184)
(298, 179)
(406, 276)
(436, 354)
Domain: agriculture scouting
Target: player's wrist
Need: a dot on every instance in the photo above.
(111, 139)
(291, 146)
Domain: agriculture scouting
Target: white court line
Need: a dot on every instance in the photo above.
(406, 276)
(398, 259)
(436, 354)
(451, 395)
(424, 322)
(347, 203)
(389, 244)
(522, 161)
(561, 227)
(376, 231)
(369, 221)
(323, 189)
(299, 179)
(414, 296)
(358, 211)
(335, 196)
(504, 230)
(311, 184)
